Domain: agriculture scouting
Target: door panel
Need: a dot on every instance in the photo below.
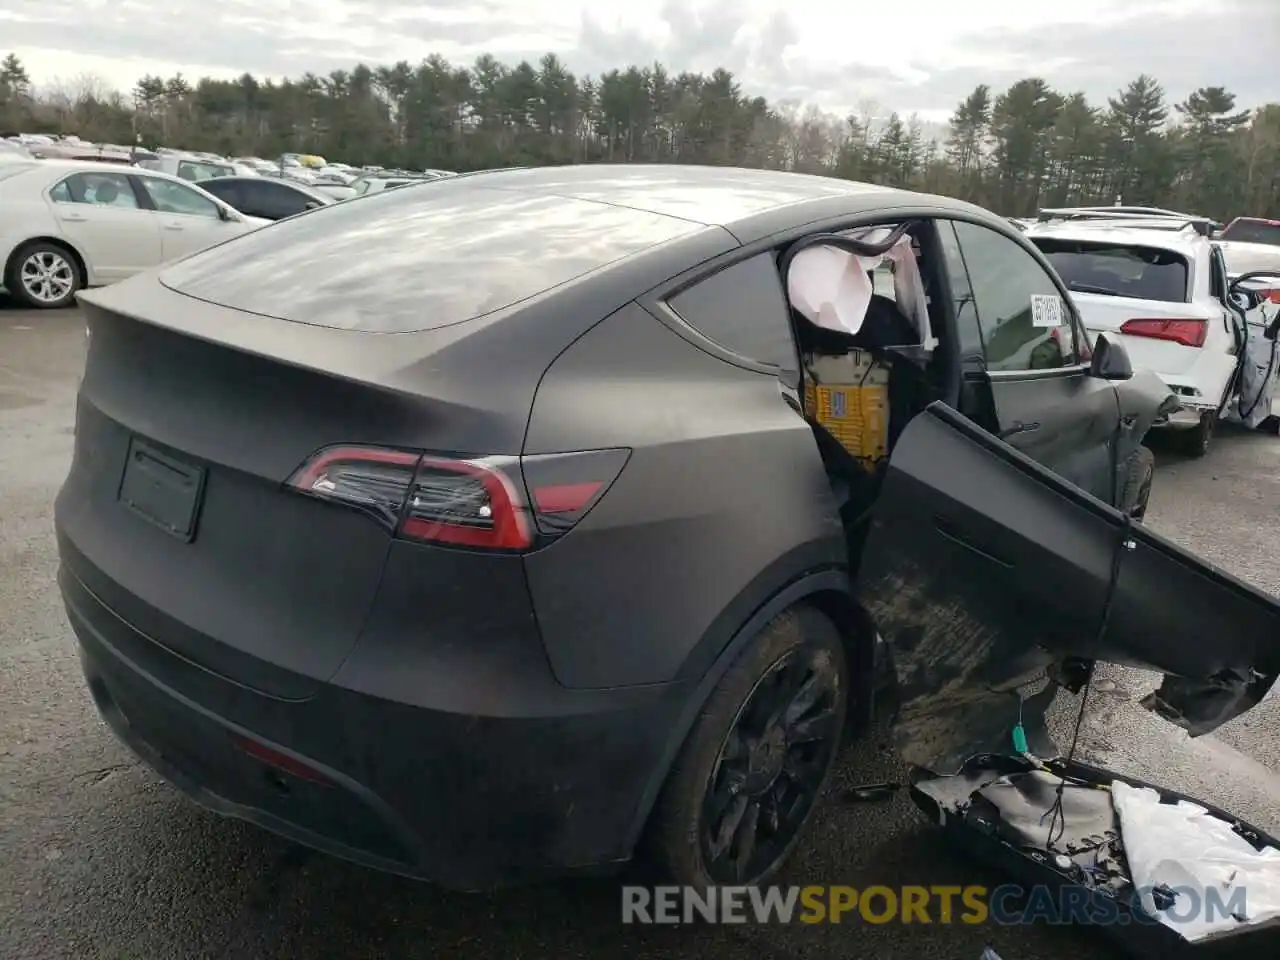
(1069, 425)
(188, 221)
(975, 567)
(1217, 636)
(117, 238)
(1045, 402)
(981, 566)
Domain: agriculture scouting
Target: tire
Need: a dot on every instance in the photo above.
(43, 276)
(800, 643)
(1136, 491)
(1195, 442)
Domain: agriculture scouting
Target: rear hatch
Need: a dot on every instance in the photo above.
(1133, 293)
(175, 514)
(208, 388)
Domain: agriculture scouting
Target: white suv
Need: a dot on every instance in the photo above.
(1158, 284)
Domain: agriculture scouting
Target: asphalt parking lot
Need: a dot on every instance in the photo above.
(99, 859)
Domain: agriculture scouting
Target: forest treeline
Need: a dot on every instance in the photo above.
(1012, 150)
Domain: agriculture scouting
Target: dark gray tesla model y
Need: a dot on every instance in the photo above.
(546, 516)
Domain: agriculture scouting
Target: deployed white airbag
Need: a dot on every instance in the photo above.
(832, 287)
(1185, 848)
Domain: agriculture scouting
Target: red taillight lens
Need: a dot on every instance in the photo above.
(372, 480)
(1189, 333)
(479, 504)
(563, 487)
(466, 503)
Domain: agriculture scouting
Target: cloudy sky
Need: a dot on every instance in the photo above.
(906, 55)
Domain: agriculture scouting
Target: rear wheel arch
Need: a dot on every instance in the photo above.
(827, 592)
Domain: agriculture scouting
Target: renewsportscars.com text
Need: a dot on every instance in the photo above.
(970, 905)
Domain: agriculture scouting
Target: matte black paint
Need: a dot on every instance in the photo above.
(1038, 555)
(723, 480)
(435, 686)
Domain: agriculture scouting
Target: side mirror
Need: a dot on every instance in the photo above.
(1245, 299)
(1110, 361)
(312, 205)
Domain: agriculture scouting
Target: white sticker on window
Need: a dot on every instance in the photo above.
(1046, 311)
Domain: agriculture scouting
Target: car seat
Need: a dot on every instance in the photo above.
(105, 192)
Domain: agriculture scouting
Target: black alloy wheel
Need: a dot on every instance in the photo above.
(771, 766)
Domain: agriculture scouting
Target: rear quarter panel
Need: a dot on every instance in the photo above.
(24, 215)
(723, 502)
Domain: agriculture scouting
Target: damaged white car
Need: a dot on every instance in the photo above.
(1156, 283)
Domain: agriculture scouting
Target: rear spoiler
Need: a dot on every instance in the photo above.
(1131, 216)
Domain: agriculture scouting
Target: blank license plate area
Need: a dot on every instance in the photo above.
(162, 489)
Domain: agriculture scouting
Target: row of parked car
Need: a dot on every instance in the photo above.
(639, 479)
(81, 215)
(295, 182)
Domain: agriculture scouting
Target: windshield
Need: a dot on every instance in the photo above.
(1118, 270)
(1252, 231)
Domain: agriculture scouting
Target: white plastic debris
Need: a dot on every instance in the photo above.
(1200, 859)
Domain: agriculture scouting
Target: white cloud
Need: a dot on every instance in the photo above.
(909, 55)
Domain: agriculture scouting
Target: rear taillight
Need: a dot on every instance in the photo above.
(1189, 333)
(472, 503)
(466, 503)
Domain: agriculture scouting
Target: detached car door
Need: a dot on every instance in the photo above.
(981, 567)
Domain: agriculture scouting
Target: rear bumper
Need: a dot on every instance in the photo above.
(1199, 381)
(470, 800)
(1184, 418)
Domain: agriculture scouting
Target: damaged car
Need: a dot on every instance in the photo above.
(586, 537)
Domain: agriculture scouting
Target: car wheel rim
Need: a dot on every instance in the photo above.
(771, 767)
(47, 276)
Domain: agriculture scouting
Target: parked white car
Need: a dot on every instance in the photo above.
(194, 168)
(1250, 244)
(1158, 285)
(69, 224)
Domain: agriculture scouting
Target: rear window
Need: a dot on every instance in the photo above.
(1118, 270)
(1252, 231)
(418, 260)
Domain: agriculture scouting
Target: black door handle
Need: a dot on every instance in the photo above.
(1019, 427)
(949, 530)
